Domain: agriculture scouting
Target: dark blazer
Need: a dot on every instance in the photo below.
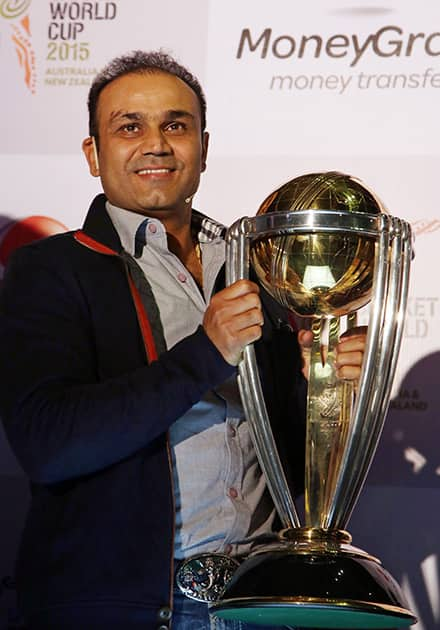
(88, 420)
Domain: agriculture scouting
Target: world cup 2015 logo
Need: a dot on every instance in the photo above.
(13, 8)
(17, 11)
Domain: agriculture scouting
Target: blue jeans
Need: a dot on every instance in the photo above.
(191, 615)
(187, 615)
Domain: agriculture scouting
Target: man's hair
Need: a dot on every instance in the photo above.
(140, 62)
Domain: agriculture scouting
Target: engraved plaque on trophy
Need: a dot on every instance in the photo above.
(324, 246)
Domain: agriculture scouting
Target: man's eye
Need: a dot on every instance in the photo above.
(175, 127)
(130, 128)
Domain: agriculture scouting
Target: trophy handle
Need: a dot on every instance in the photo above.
(249, 383)
(385, 330)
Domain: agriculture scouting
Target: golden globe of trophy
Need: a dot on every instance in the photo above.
(323, 246)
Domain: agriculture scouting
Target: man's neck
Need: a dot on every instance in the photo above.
(185, 245)
(182, 238)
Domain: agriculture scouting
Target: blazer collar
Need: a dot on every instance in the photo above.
(99, 226)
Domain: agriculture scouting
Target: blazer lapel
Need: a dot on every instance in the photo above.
(99, 226)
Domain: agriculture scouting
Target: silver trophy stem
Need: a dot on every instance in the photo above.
(251, 393)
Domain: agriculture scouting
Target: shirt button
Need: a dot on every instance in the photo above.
(182, 277)
(164, 613)
(233, 493)
(152, 228)
(232, 432)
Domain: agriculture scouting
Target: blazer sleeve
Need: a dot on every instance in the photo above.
(60, 420)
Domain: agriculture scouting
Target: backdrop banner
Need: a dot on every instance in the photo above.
(292, 88)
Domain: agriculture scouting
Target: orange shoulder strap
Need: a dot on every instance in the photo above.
(144, 322)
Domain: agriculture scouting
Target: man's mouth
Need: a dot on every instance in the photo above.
(154, 171)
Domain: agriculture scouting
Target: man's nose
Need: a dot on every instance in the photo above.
(155, 142)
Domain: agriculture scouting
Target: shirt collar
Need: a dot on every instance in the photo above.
(208, 229)
(132, 226)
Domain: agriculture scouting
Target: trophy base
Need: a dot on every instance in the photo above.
(310, 615)
(334, 586)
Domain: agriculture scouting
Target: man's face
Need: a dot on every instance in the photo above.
(151, 150)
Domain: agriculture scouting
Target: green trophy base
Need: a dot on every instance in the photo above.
(339, 589)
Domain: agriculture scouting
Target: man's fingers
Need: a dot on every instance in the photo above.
(350, 353)
(233, 319)
(226, 304)
(350, 349)
(239, 288)
(358, 332)
(305, 338)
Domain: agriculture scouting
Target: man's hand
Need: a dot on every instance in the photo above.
(305, 340)
(349, 352)
(233, 319)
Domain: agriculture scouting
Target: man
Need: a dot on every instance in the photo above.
(119, 353)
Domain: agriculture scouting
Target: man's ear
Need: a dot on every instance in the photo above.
(205, 142)
(91, 152)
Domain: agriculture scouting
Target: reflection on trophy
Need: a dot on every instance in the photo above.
(323, 246)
